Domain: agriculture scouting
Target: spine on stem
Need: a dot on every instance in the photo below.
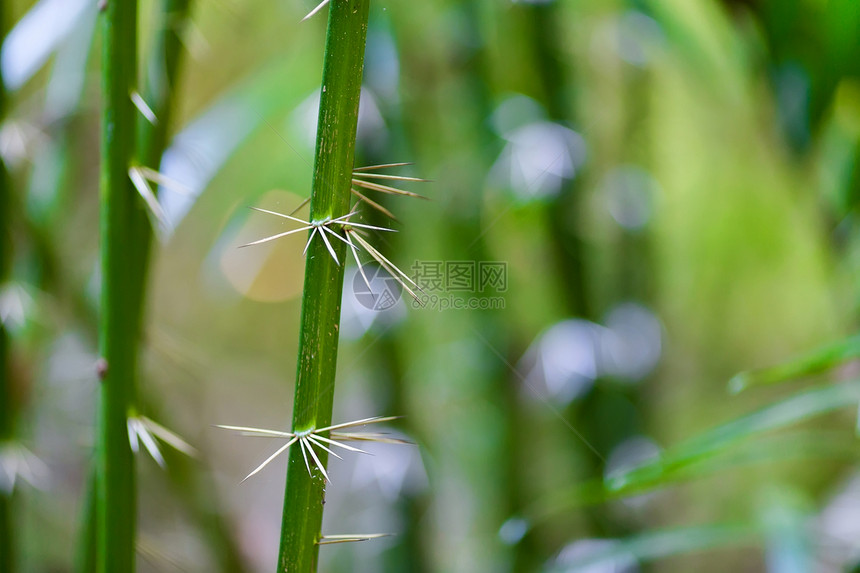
(323, 287)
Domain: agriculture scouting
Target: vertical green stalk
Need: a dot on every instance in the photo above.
(7, 398)
(318, 340)
(568, 244)
(465, 133)
(160, 90)
(115, 490)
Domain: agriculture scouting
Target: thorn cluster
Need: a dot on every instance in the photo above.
(16, 461)
(141, 178)
(352, 231)
(322, 228)
(310, 438)
(142, 429)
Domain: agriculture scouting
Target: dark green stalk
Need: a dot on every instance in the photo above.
(568, 243)
(115, 492)
(463, 129)
(564, 219)
(85, 558)
(7, 555)
(318, 340)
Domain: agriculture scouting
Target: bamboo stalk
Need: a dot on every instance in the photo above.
(115, 491)
(187, 478)
(318, 340)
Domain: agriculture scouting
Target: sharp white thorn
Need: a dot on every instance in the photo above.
(362, 422)
(363, 226)
(302, 445)
(319, 7)
(164, 181)
(344, 446)
(273, 237)
(260, 431)
(311, 238)
(315, 440)
(132, 435)
(143, 108)
(270, 458)
(170, 438)
(358, 262)
(150, 445)
(381, 166)
(290, 217)
(146, 192)
(317, 461)
(328, 245)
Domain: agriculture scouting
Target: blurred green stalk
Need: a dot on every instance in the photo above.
(115, 491)
(159, 94)
(7, 398)
(186, 477)
(318, 339)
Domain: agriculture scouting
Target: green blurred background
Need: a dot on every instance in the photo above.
(672, 185)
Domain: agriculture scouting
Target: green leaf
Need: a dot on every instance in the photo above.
(815, 362)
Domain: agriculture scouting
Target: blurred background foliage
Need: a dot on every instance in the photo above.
(673, 185)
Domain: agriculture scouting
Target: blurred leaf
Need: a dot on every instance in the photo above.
(38, 34)
(725, 447)
(203, 147)
(815, 362)
(658, 544)
(791, 410)
(702, 35)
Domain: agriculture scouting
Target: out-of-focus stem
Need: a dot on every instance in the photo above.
(568, 244)
(7, 398)
(159, 94)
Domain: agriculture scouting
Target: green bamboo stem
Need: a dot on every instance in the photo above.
(318, 340)
(115, 491)
(187, 478)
